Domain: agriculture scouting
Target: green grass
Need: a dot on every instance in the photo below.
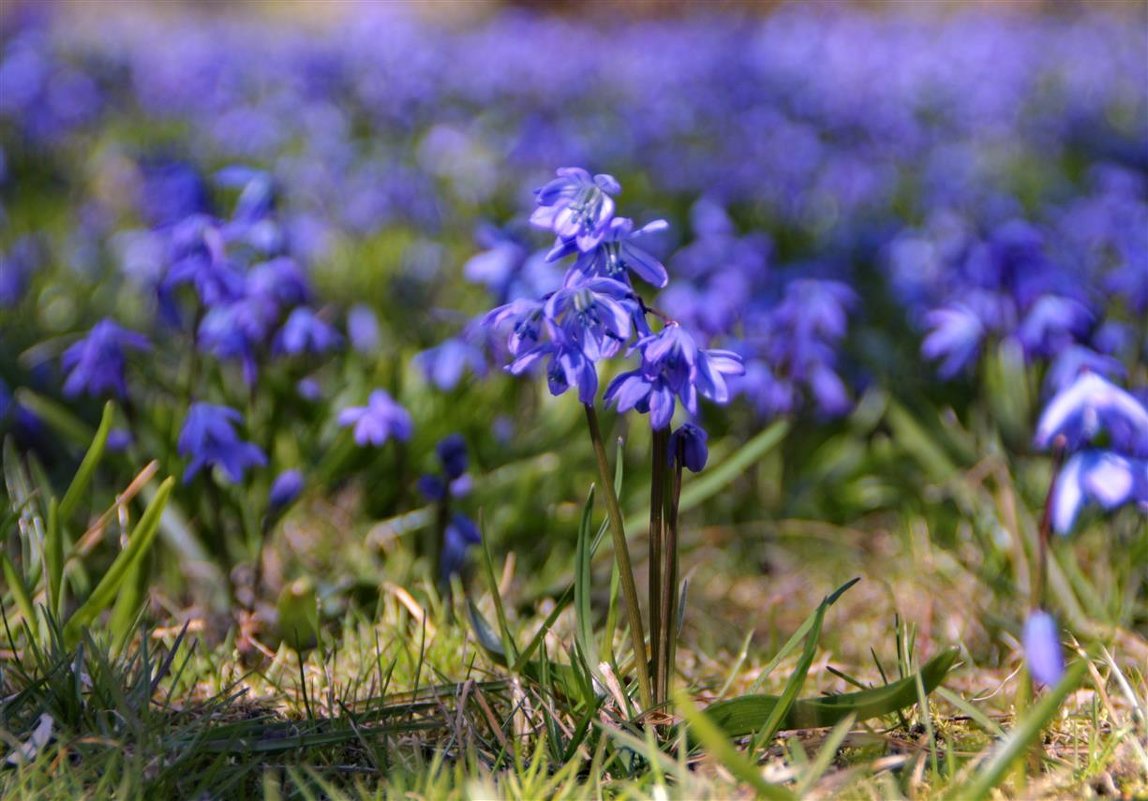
(399, 701)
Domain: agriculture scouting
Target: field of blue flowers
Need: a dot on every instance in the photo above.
(395, 408)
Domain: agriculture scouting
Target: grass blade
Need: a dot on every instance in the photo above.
(140, 541)
(87, 468)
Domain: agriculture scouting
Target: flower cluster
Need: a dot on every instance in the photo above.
(459, 532)
(597, 312)
(1104, 431)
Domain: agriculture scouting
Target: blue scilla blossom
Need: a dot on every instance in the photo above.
(445, 364)
(594, 315)
(199, 258)
(16, 268)
(526, 319)
(1042, 653)
(508, 267)
(689, 443)
(285, 489)
(280, 280)
(617, 255)
(96, 362)
(461, 533)
(209, 438)
(567, 367)
(1053, 323)
(452, 455)
(1107, 479)
(576, 206)
(235, 331)
(956, 336)
(305, 332)
(363, 329)
(378, 421)
(1077, 359)
(170, 191)
(673, 366)
(1092, 405)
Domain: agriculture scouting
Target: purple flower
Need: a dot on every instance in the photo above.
(305, 332)
(568, 367)
(1074, 360)
(96, 362)
(451, 452)
(363, 329)
(280, 281)
(617, 255)
(1091, 405)
(576, 206)
(1042, 654)
(1053, 323)
(16, 269)
(956, 336)
(285, 489)
(673, 366)
(594, 315)
(208, 437)
(1102, 477)
(379, 420)
(461, 533)
(445, 364)
(689, 442)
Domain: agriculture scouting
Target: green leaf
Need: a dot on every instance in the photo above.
(1023, 735)
(88, 466)
(54, 556)
(796, 679)
(139, 543)
(508, 647)
(57, 415)
(738, 717)
(583, 616)
(20, 592)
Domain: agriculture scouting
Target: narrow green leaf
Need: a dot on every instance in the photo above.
(54, 556)
(1022, 736)
(798, 636)
(139, 542)
(499, 610)
(583, 615)
(796, 680)
(87, 468)
(747, 714)
(487, 638)
(20, 592)
(714, 740)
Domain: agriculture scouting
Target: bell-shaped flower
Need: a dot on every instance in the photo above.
(576, 206)
(1091, 405)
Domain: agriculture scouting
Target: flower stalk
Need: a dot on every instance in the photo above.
(622, 554)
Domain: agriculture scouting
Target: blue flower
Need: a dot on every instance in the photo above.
(461, 533)
(378, 421)
(690, 442)
(285, 489)
(305, 332)
(1077, 359)
(363, 329)
(451, 452)
(576, 206)
(445, 364)
(594, 315)
(208, 437)
(672, 365)
(1076, 416)
(617, 255)
(1102, 477)
(16, 269)
(568, 367)
(1042, 654)
(96, 362)
(956, 337)
(1053, 323)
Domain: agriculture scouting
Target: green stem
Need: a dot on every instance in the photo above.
(657, 507)
(668, 601)
(622, 554)
(1044, 534)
